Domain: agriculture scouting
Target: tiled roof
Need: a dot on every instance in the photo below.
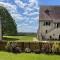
(50, 13)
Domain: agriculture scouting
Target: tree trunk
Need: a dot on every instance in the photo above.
(0, 29)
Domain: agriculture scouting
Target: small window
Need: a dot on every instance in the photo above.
(46, 23)
(50, 37)
(58, 25)
(46, 31)
(47, 12)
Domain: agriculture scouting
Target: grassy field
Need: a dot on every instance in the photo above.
(18, 38)
(27, 56)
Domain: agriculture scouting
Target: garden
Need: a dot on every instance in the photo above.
(14, 47)
(29, 51)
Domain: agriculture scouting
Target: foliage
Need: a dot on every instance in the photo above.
(27, 50)
(8, 24)
(8, 47)
(46, 48)
(37, 50)
(55, 47)
(11, 47)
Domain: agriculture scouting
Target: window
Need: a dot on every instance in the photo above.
(46, 31)
(46, 23)
(50, 37)
(58, 25)
(47, 12)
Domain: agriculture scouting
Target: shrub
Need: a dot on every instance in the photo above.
(37, 50)
(55, 47)
(27, 50)
(46, 48)
(16, 50)
(8, 47)
(11, 47)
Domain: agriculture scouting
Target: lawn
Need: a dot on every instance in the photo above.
(27, 56)
(19, 38)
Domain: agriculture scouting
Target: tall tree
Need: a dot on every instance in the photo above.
(8, 23)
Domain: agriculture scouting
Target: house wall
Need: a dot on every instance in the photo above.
(43, 28)
(52, 30)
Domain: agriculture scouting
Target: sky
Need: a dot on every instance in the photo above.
(26, 12)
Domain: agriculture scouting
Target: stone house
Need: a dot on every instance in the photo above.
(49, 23)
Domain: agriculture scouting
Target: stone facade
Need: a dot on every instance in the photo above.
(49, 23)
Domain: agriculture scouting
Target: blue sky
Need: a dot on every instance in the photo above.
(26, 12)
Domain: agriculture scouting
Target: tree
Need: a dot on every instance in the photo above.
(8, 23)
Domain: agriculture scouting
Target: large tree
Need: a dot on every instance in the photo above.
(8, 23)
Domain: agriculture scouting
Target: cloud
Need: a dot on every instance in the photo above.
(33, 4)
(20, 3)
(30, 10)
(25, 20)
(11, 8)
(34, 13)
(16, 16)
(8, 6)
(27, 28)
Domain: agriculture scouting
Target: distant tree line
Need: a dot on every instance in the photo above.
(8, 23)
(27, 34)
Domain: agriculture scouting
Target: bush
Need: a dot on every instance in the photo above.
(8, 47)
(55, 48)
(46, 48)
(37, 51)
(11, 47)
(16, 50)
(27, 50)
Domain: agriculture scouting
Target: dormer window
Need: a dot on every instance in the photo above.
(47, 12)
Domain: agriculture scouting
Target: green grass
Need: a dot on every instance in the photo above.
(27, 56)
(18, 38)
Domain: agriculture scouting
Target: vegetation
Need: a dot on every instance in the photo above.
(8, 24)
(27, 56)
(55, 48)
(18, 38)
